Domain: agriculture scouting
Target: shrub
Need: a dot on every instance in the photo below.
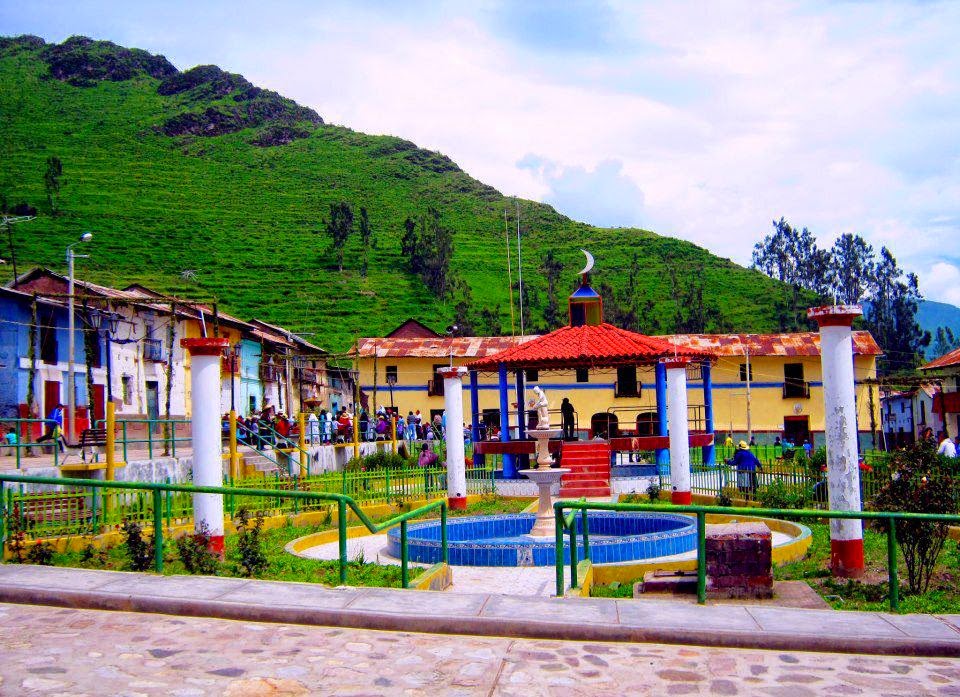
(653, 491)
(136, 546)
(779, 494)
(724, 499)
(919, 484)
(252, 560)
(41, 553)
(194, 552)
(16, 537)
(381, 459)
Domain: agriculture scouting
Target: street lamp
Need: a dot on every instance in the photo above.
(96, 320)
(299, 364)
(71, 384)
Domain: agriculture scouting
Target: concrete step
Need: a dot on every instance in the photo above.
(587, 480)
(573, 492)
(586, 459)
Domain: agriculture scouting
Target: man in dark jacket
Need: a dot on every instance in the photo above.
(566, 416)
(746, 464)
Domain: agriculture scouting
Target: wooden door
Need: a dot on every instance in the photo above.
(99, 403)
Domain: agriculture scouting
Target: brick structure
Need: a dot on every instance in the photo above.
(739, 561)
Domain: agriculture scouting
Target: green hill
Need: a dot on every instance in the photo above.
(202, 172)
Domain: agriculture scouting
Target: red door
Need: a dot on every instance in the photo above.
(99, 403)
(51, 398)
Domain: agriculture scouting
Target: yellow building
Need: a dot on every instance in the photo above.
(784, 385)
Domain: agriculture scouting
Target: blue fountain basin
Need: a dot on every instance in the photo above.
(504, 540)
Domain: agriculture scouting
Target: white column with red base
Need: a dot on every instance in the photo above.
(205, 355)
(679, 431)
(840, 421)
(456, 456)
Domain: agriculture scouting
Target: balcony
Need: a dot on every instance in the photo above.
(153, 350)
(269, 372)
(435, 387)
(626, 390)
(796, 389)
(308, 375)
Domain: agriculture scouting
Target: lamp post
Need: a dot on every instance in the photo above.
(299, 364)
(96, 320)
(71, 386)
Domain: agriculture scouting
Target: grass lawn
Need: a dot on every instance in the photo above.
(868, 593)
(282, 566)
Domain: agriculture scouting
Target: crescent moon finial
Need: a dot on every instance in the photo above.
(589, 266)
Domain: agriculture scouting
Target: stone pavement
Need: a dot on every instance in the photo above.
(51, 651)
(490, 614)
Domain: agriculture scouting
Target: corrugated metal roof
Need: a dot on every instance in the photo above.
(945, 361)
(796, 344)
(439, 347)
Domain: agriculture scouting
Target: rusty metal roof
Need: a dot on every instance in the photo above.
(438, 347)
(795, 344)
(945, 361)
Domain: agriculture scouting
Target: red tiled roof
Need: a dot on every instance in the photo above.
(796, 344)
(945, 361)
(438, 347)
(602, 345)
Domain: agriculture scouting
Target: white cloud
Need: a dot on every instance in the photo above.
(842, 117)
(943, 282)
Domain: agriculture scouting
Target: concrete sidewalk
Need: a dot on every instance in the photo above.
(584, 619)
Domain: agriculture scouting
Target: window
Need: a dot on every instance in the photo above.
(923, 412)
(743, 372)
(903, 407)
(583, 375)
(253, 405)
(793, 383)
(48, 338)
(391, 375)
(531, 375)
(626, 382)
(126, 387)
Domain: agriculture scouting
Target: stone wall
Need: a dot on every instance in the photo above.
(739, 559)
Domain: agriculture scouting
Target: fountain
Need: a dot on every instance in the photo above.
(543, 474)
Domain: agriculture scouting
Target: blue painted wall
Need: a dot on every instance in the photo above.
(250, 386)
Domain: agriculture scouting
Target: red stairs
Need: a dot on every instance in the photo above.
(589, 465)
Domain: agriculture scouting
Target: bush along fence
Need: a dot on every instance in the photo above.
(917, 525)
(154, 495)
(73, 509)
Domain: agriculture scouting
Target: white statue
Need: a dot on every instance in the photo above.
(542, 407)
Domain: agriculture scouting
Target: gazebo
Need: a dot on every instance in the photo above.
(589, 342)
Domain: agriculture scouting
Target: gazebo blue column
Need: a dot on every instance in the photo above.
(521, 460)
(709, 453)
(475, 415)
(509, 466)
(660, 373)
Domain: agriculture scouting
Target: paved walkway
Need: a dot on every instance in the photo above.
(48, 651)
(488, 614)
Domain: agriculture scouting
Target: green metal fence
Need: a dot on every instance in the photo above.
(73, 511)
(155, 492)
(25, 446)
(568, 523)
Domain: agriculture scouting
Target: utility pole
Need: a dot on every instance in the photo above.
(749, 426)
(7, 221)
(506, 235)
(520, 270)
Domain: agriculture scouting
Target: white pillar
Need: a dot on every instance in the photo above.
(840, 420)
(456, 459)
(679, 430)
(205, 423)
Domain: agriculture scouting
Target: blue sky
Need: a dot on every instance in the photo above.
(704, 121)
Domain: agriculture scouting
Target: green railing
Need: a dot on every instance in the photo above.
(166, 438)
(22, 428)
(73, 512)
(569, 522)
(156, 492)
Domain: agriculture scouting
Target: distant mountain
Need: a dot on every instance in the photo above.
(201, 184)
(933, 314)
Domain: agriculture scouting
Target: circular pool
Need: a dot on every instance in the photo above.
(504, 540)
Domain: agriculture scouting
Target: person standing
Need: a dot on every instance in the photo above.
(313, 429)
(566, 418)
(54, 426)
(411, 427)
(746, 465)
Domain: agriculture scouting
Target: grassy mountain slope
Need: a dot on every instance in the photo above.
(201, 171)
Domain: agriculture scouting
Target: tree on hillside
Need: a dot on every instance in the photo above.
(854, 269)
(489, 323)
(52, 180)
(891, 317)
(338, 228)
(365, 238)
(945, 341)
(408, 243)
(430, 252)
(551, 268)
